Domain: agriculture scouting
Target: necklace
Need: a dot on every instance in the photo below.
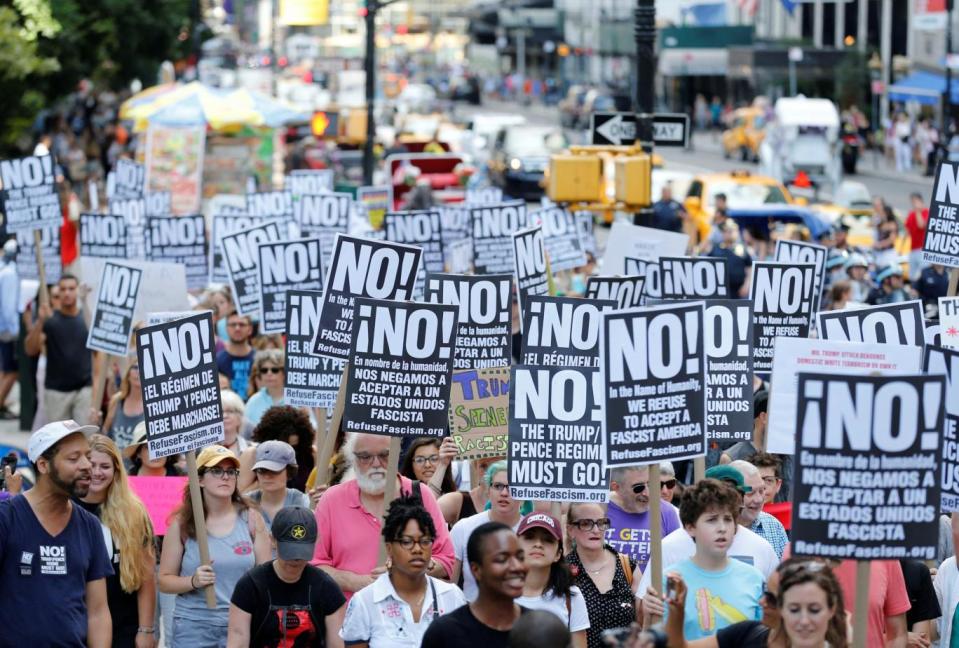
(597, 570)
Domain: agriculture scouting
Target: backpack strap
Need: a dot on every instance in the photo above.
(624, 563)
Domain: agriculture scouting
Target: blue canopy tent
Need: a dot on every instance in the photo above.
(923, 87)
(757, 218)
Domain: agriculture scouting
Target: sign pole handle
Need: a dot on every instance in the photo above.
(953, 282)
(99, 375)
(861, 618)
(655, 530)
(41, 269)
(392, 469)
(699, 469)
(325, 451)
(196, 499)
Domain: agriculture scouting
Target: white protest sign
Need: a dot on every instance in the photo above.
(626, 240)
(949, 321)
(162, 286)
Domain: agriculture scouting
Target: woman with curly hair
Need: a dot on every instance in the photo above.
(281, 423)
(131, 590)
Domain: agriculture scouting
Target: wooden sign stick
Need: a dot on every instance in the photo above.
(861, 619)
(392, 468)
(654, 489)
(325, 451)
(699, 469)
(953, 282)
(41, 269)
(196, 500)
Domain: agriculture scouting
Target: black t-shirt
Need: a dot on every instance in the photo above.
(737, 260)
(461, 629)
(68, 361)
(745, 634)
(287, 614)
(922, 595)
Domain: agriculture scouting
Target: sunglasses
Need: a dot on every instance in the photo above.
(272, 370)
(669, 483)
(639, 488)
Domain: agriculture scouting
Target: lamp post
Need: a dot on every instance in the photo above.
(369, 65)
(644, 32)
(947, 93)
(875, 75)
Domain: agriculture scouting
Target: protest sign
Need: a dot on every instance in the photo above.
(361, 268)
(162, 286)
(728, 336)
(899, 323)
(112, 318)
(793, 355)
(556, 445)
(301, 182)
(174, 162)
(483, 195)
(161, 496)
(324, 216)
(180, 239)
(422, 228)
(401, 363)
(135, 212)
(270, 204)
(939, 360)
(479, 412)
(242, 261)
(627, 240)
(584, 223)
(129, 179)
(224, 224)
(867, 479)
(455, 221)
(941, 244)
(653, 362)
(375, 201)
(311, 380)
(285, 266)
(458, 256)
(933, 334)
(29, 197)
(563, 331)
(181, 389)
(627, 292)
(649, 271)
(103, 235)
(493, 227)
(949, 321)
(783, 296)
(561, 237)
(800, 252)
(485, 317)
(532, 276)
(50, 249)
(693, 278)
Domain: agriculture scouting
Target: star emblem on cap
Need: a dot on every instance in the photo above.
(298, 532)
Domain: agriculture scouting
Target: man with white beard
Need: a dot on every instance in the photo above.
(349, 518)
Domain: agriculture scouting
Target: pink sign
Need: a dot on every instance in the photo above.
(161, 496)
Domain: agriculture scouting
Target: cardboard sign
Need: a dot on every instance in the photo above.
(693, 278)
(793, 355)
(301, 182)
(949, 321)
(727, 330)
(627, 292)
(49, 246)
(564, 245)
(479, 412)
(242, 261)
(493, 227)
(161, 496)
(181, 389)
(29, 198)
(422, 228)
(285, 266)
(162, 286)
(112, 318)
(401, 363)
(627, 240)
(784, 298)
(375, 201)
(800, 252)
(311, 380)
(654, 371)
(890, 324)
(103, 235)
(361, 268)
(483, 195)
(270, 204)
(129, 179)
(225, 224)
(941, 361)
(941, 244)
(532, 276)
(563, 331)
(485, 317)
(135, 212)
(867, 479)
(556, 445)
(180, 239)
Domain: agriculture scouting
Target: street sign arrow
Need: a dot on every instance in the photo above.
(610, 128)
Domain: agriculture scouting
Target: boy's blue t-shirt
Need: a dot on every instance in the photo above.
(715, 600)
(42, 575)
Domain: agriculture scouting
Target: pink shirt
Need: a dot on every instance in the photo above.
(350, 536)
(888, 596)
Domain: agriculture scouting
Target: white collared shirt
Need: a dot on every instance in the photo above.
(377, 616)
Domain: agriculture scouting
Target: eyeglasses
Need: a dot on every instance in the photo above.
(639, 488)
(229, 473)
(272, 370)
(366, 459)
(266, 471)
(407, 542)
(432, 459)
(586, 524)
(669, 483)
(499, 487)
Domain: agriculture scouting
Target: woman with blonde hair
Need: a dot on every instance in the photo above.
(131, 590)
(126, 408)
(268, 367)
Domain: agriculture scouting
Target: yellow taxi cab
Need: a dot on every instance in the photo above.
(743, 190)
(745, 133)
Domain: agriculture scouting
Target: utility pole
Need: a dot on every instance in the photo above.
(947, 94)
(645, 36)
(369, 65)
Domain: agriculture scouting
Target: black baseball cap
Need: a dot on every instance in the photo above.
(294, 529)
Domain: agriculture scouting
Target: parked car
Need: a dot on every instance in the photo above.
(520, 157)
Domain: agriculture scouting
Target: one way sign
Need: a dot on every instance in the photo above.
(619, 129)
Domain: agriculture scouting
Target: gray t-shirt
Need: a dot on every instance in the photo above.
(293, 498)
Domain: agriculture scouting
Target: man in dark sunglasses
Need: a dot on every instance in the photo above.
(629, 513)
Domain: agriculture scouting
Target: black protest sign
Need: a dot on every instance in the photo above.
(899, 323)
(800, 252)
(649, 271)
(784, 298)
(49, 247)
(455, 220)
(563, 331)
(532, 276)
(324, 216)
(180, 239)
(103, 236)
(627, 292)
(135, 212)
(941, 244)
(285, 266)
(493, 227)
(556, 447)
(242, 260)
(225, 224)
(301, 182)
(181, 388)
(940, 360)
(485, 316)
(584, 223)
(361, 268)
(867, 478)
(564, 245)
(29, 197)
(311, 380)
(479, 412)
(401, 362)
(128, 179)
(728, 334)
(270, 204)
(654, 373)
(693, 278)
(484, 195)
(423, 228)
(113, 314)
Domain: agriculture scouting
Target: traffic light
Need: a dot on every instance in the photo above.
(633, 174)
(575, 178)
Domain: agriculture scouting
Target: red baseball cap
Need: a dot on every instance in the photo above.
(541, 521)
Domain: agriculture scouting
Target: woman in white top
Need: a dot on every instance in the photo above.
(395, 610)
(549, 583)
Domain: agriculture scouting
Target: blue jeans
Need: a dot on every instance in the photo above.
(188, 633)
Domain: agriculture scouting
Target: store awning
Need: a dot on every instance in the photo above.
(693, 62)
(923, 87)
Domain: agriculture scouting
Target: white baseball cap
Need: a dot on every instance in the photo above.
(52, 433)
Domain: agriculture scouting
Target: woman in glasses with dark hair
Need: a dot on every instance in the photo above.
(606, 578)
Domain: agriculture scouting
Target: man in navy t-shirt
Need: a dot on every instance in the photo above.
(53, 560)
(236, 359)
